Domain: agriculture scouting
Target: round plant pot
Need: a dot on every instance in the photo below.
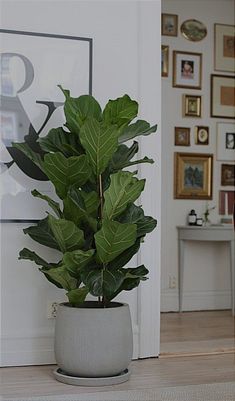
(93, 342)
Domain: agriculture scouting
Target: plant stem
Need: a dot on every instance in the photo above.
(101, 196)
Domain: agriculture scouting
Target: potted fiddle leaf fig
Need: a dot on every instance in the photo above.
(97, 228)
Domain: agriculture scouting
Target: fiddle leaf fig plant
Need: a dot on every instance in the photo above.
(95, 224)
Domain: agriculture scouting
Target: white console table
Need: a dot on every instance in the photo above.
(208, 233)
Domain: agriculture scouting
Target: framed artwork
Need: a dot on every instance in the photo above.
(187, 70)
(224, 37)
(193, 176)
(165, 61)
(192, 106)
(201, 135)
(193, 30)
(228, 175)
(223, 96)
(225, 146)
(226, 202)
(182, 136)
(169, 24)
(32, 66)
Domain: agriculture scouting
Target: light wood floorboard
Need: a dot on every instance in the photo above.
(201, 332)
(146, 374)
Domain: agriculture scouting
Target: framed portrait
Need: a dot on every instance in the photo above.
(228, 175)
(182, 136)
(201, 135)
(192, 106)
(165, 61)
(225, 146)
(187, 70)
(222, 96)
(193, 176)
(169, 24)
(32, 67)
(226, 202)
(224, 53)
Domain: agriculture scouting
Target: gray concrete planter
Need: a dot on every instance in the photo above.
(93, 342)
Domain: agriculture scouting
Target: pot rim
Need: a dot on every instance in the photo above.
(112, 305)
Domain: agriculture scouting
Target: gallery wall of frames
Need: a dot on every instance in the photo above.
(198, 134)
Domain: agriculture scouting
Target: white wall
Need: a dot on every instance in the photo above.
(126, 60)
(207, 272)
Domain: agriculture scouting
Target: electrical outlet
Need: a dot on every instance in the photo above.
(52, 310)
(172, 282)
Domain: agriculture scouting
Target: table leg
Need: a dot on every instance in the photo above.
(181, 273)
(232, 275)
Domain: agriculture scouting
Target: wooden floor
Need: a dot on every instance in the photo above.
(151, 373)
(191, 333)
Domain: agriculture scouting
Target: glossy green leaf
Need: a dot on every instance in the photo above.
(58, 140)
(65, 172)
(76, 260)
(124, 189)
(100, 142)
(77, 110)
(26, 254)
(42, 233)
(125, 256)
(54, 205)
(68, 236)
(113, 238)
(123, 155)
(135, 215)
(120, 111)
(140, 127)
(61, 276)
(33, 156)
(102, 282)
(77, 296)
(76, 197)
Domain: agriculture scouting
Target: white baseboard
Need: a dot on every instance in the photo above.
(37, 349)
(195, 300)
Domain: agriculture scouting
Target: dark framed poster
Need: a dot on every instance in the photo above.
(32, 66)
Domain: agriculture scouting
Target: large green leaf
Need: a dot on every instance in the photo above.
(77, 296)
(114, 238)
(135, 215)
(120, 111)
(26, 254)
(76, 197)
(140, 127)
(64, 172)
(124, 189)
(76, 260)
(58, 140)
(125, 256)
(102, 282)
(33, 156)
(42, 233)
(92, 202)
(61, 276)
(77, 110)
(123, 155)
(54, 205)
(68, 236)
(100, 142)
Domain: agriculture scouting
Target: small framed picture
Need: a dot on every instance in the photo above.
(165, 61)
(169, 24)
(226, 202)
(225, 147)
(224, 47)
(182, 136)
(187, 70)
(222, 96)
(228, 175)
(201, 135)
(192, 106)
(193, 176)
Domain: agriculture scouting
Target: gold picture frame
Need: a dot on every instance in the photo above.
(192, 106)
(201, 134)
(165, 61)
(169, 24)
(193, 176)
(222, 96)
(224, 45)
(182, 136)
(187, 70)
